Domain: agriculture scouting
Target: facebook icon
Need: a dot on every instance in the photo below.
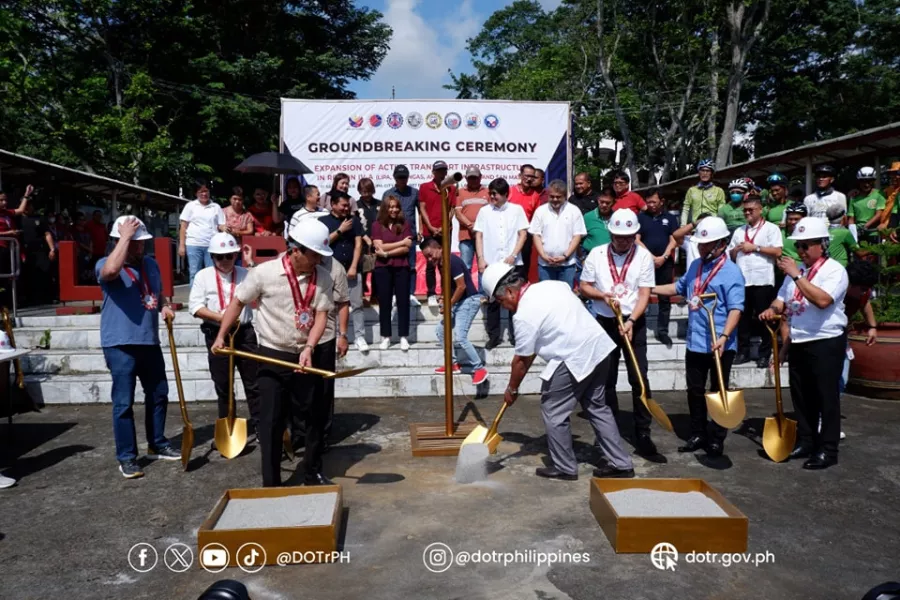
(142, 557)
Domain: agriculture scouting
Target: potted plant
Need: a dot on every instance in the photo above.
(875, 370)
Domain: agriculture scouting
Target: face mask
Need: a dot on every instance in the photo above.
(737, 197)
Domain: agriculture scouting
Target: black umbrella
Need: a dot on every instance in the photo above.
(273, 163)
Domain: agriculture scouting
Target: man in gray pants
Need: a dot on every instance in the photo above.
(556, 326)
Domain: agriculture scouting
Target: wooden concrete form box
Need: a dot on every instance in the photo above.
(641, 534)
(276, 540)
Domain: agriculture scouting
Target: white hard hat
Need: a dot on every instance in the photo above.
(623, 222)
(312, 234)
(223, 243)
(492, 276)
(711, 229)
(139, 235)
(866, 173)
(810, 228)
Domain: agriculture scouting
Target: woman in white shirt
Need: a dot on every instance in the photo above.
(200, 220)
(211, 293)
(812, 298)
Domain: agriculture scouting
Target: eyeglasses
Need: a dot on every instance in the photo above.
(619, 182)
(805, 245)
(231, 256)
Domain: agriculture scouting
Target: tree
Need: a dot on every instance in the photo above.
(159, 91)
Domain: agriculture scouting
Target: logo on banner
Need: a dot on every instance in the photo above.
(414, 120)
(395, 120)
(473, 121)
(355, 121)
(375, 121)
(491, 121)
(433, 120)
(453, 120)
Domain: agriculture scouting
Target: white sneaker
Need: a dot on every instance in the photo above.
(361, 344)
(6, 482)
(432, 301)
(385, 343)
(413, 301)
(404, 344)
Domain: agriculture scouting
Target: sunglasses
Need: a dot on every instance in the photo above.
(805, 245)
(747, 211)
(224, 256)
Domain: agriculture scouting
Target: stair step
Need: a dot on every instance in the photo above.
(377, 383)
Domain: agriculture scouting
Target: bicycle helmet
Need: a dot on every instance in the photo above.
(866, 173)
(777, 179)
(738, 184)
(707, 163)
(797, 208)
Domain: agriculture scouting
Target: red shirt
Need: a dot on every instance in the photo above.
(529, 202)
(430, 196)
(388, 236)
(98, 237)
(7, 223)
(630, 200)
(471, 203)
(263, 216)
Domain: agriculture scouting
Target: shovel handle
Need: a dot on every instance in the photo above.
(275, 362)
(493, 430)
(177, 371)
(779, 407)
(617, 310)
(715, 338)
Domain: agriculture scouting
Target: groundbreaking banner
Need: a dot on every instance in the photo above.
(368, 138)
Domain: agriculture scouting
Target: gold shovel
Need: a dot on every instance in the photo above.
(779, 432)
(187, 435)
(289, 365)
(489, 437)
(231, 433)
(725, 407)
(652, 406)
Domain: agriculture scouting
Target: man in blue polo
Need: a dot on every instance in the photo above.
(657, 229)
(129, 336)
(409, 201)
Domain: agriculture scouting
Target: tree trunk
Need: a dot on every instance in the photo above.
(711, 118)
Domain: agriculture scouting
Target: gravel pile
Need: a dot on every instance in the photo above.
(308, 510)
(639, 502)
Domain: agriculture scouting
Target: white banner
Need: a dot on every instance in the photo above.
(367, 138)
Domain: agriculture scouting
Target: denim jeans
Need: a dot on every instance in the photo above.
(845, 372)
(467, 252)
(557, 273)
(198, 258)
(463, 314)
(127, 364)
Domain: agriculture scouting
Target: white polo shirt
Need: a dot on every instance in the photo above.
(557, 229)
(641, 273)
(757, 268)
(205, 292)
(553, 323)
(811, 323)
(203, 222)
(500, 229)
(818, 205)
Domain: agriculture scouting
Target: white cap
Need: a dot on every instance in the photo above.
(623, 222)
(312, 234)
(710, 229)
(492, 276)
(139, 235)
(810, 228)
(223, 243)
(5, 345)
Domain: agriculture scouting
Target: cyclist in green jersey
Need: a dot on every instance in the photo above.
(778, 198)
(733, 212)
(866, 209)
(705, 197)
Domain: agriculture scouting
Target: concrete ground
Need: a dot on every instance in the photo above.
(67, 527)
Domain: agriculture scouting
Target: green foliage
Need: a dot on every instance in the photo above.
(886, 304)
(157, 91)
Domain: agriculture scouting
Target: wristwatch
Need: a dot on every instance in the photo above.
(758, 249)
(797, 277)
(342, 334)
(512, 391)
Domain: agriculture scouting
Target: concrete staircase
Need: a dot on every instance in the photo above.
(73, 370)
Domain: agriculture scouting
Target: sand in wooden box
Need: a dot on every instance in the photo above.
(284, 519)
(710, 524)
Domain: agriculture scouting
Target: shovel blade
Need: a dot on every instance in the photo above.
(728, 412)
(476, 436)
(779, 438)
(187, 444)
(659, 415)
(492, 442)
(232, 440)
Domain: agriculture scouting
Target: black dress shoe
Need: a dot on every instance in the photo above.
(664, 339)
(553, 473)
(609, 472)
(741, 358)
(820, 461)
(715, 449)
(694, 443)
(644, 446)
(317, 479)
(801, 452)
(762, 362)
(493, 343)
